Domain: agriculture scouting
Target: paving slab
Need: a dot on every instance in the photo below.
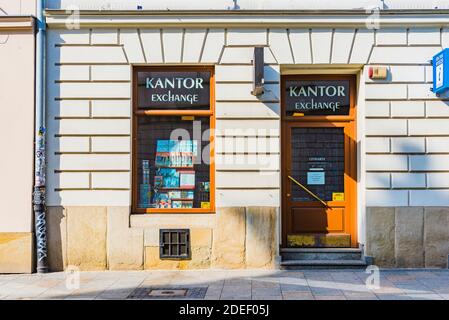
(295, 295)
(393, 297)
(331, 297)
(326, 292)
(425, 296)
(257, 297)
(360, 296)
(295, 287)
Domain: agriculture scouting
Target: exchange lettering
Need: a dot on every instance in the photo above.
(312, 105)
(317, 97)
(318, 92)
(170, 97)
(175, 83)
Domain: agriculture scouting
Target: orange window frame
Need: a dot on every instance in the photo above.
(163, 112)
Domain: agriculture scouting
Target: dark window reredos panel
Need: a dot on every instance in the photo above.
(152, 130)
(173, 90)
(316, 97)
(317, 151)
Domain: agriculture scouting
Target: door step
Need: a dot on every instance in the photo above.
(321, 254)
(322, 258)
(323, 264)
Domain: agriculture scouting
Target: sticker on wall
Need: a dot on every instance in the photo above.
(205, 205)
(315, 177)
(338, 196)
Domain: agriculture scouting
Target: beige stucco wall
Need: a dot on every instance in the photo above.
(17, 123)
(17, 60)
(17, 7)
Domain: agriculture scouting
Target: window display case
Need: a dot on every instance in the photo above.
(172, 147)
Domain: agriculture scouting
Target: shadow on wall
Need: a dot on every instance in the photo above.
(56, 232)
(56, 214)
(55, 4)
(270, 74)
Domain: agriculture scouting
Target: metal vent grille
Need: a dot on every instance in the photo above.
(170, 293)
(174, 243)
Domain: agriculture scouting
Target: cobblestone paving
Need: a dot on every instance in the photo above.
(230, 285)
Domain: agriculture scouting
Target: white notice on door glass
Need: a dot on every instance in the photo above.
(315, 177)
(439, 75)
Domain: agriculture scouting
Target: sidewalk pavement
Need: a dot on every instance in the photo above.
(229, 285)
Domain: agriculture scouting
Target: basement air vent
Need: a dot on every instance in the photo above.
(174, 243)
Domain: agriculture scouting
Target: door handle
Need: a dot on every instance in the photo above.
(288, 195)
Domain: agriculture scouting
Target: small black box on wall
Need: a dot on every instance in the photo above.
(258, 72)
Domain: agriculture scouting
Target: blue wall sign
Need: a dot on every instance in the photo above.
(440, 63)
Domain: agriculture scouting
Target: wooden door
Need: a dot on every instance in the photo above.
(319, 180)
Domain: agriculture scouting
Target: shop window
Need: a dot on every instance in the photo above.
(173, 142)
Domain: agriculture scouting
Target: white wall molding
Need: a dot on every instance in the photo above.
(10, 23)
(256, 19)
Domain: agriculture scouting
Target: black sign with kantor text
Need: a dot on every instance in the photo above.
(317, 97)
(173, 90)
